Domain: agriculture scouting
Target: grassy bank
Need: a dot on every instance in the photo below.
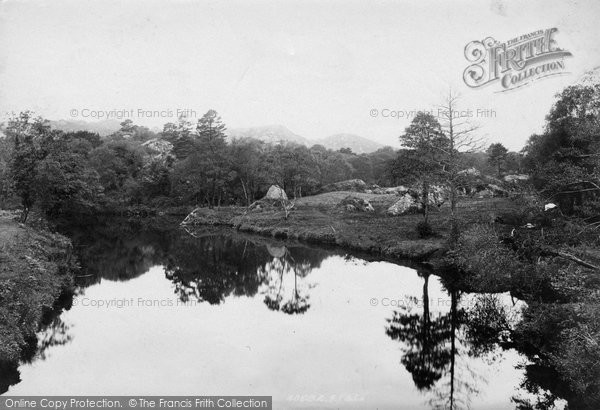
(35, 269)
(318, 219)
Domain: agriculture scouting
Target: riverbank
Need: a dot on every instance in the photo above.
(35, 270)
(318, 220)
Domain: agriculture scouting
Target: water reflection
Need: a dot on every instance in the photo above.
(439, 342)
(435, 344)
(279, 269)
(52, 332)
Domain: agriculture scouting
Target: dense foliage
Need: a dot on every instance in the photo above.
(186, 164)
(547, 255)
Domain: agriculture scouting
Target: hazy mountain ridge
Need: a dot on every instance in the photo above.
(278, 133)
(269, 133)
(102, 127)
(356, 143)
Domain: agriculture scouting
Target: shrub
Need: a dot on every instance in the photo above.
(424, 230)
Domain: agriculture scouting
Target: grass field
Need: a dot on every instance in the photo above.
(319, 219)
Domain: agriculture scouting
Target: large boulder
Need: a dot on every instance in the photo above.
(516, 178)
(405, 204)
(352, 203)
(158, 148)
(474, 172)
(437, 195)
(275, 193)
(355, 185)
(398, 190)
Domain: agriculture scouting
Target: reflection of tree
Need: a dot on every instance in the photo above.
(55, 334)
(461, 382)
(9, 375)
(117, 249)
(52, 332)
(211, 268)
(206, 265)
(563, 351)
(283, 263)
(426, 355)
(433, 346)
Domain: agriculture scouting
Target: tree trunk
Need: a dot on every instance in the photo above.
(425, 202)
(24, 214)
(245, 192)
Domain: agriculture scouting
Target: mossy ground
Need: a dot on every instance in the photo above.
(35, 269)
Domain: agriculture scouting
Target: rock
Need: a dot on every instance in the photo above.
(399, 190)
(276, 251)
(352, 203)
(486, 193)
(405, 204)
(437, 195)
(275, 194)
(516, 178)
(355, 185)
(158, 146)
(497, 191)
(470, 172)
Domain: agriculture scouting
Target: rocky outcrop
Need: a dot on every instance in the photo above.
(158, 148)
(412, 200)
(352, 203)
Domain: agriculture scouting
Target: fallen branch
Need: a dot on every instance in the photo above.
(575, 259)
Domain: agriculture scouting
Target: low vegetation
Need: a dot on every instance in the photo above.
(35, 269)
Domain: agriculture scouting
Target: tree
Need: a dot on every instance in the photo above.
(497, 156)
(6, 182)
(211, 156)
(565, 159)
(460, 138)
(116, 162)
(421, 161)
(29, 136)
(247, 163)
(65, 181)
(180, 135)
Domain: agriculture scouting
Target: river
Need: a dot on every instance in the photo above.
(161, 311)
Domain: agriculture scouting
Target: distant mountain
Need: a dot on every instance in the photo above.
(358, 144)
(269, 134)
(278, 133)
(103, 127)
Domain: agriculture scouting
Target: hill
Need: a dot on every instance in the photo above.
(356, 143)
(103, 127)
(269, 134)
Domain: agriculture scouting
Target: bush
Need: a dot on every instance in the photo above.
(424, 230)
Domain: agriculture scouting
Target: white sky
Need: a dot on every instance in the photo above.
(317, 67)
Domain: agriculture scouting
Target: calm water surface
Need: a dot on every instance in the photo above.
(161, 312)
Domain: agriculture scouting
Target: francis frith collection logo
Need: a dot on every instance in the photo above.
(516, 62)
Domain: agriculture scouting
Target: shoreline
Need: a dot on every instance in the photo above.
(351, 232)
(36, 273)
